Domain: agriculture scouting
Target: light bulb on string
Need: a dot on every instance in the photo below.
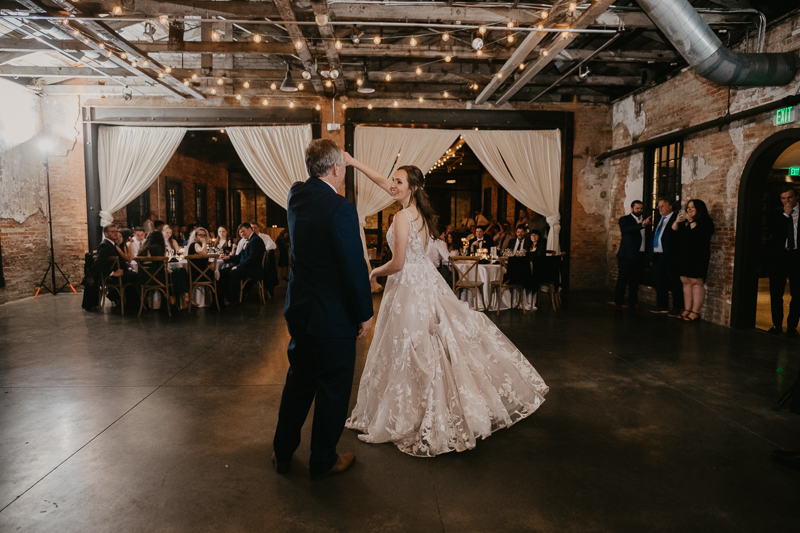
(445, 36)
(338, 45)
(298, 44)
(329, 84)
(388, 77)
(246, 85)
(446, 94)
(510, 24)
(317, 107)
(194, 76)
(421, 100)
(522, 66)
(480, 53)
(76, 32)
(256, 38)
(418, 71)
(145, 63)
(102, 46)
(213, 91)
(163, 19)
(300, 86)
(395, 103)
(447, 59)
(545, 52)
(482, 30)
(413, 41)
(359, 81)
(168, 69)
(369, 106)
(220, 81)
(377, 39)
(573, 6)
(564, 34)
(238, 96)
(273, 86)
(160, 74)
(264, 102)
(123, 55)
(544, 14)
(291, 104)
(511, 38)
(214, 36)
(116, 10)
(344, 106)
(186, 82)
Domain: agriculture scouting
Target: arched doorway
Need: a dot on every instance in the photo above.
(750, 226)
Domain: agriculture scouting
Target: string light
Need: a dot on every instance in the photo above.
(220, 81)
(238, 96)
(359, 81)
(85, 40)
(160, 74)
(117, 10)
(298, 44)
(264, 101)
(413, 41)
(194, 76)
(109, 53)
(522, 66)
(480, 53)
(376, 39)
(329, 84)
(145, 63)
(246, 85)
(395, 103)
(447, 59)
(499, 74)
(186, 82)
(134, 64)
(163, 19)
(317, 107)
(273, 86)
(446, 94)
(421, 100)
(545, 52)
(214, 36)
(338, 45)
(482, 30)
(256, 38)
(419, 70)
(388, 77)
(213, 90)
(445, 36)
(540, 27)
(544, 14)
(300, 86)
(511, 38)
(344, 106)
(573, 6)
(564, 34)
(369, 106)
(102, 46)
(510, 24)
(291, 104)
(76, 32)
(123, 55)
(168, 69)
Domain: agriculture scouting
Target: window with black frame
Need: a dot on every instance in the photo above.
(220, 211)
(201, 205)
(662, 180)
(174, 202)
(138, 210)
(487, 202)
(502, 204)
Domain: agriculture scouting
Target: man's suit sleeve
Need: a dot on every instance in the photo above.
(102, 264)
(255, 253)
(628, 224)
(350, 255)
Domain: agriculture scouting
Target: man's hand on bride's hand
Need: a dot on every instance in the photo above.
(364, 328)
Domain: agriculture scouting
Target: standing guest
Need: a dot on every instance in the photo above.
(631, 255)
(468, 223)
(247, 265)
(665, 275)
(270, 266)
(283, 255)
(471, 234)
(479, 241)
(169, 241)
(269, 244)
(155, 246)
(693, 234)
(125, 246)
(139, 235)
(223, 240)
(480, 220)
(538, 246)
(502, 239)
(784, 261)
(520, 242)
(536, 222)
(148, 224)
(522, 219)
(158, 225)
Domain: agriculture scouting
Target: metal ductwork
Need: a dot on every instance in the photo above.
(695, 41)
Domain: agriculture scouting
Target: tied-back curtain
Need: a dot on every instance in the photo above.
(129, 159)
(527, 164)
(274, 156)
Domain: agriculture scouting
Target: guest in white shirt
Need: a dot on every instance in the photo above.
(268, 242)
(440, 256)
(138, 239)
(479, 242)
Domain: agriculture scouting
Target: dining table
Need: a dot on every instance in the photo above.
(487, 272)
(201, 296)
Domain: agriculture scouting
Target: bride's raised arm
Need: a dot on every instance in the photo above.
(376, 177)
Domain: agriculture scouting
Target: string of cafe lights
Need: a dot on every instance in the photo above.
(451, 153)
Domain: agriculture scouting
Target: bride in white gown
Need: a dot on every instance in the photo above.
(438, 374)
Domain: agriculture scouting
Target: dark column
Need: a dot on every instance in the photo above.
(90, 136)
(349, 178)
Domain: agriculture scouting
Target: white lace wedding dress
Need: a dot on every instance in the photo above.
(438, 374)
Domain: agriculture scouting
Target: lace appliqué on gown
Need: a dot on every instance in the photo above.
(438, 374)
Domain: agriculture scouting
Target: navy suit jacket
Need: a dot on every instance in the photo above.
(631, 241)
(667, 236)
(248, 263)
(329, 293)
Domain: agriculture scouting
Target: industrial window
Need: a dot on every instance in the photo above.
(174, 202)
(220, 210)
(663, 177)
(201, 205)
(487, 202)
(502, 204)
(138, 210)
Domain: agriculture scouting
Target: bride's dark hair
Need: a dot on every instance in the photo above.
(416, 182)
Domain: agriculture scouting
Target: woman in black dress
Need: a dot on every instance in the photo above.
(693, 231)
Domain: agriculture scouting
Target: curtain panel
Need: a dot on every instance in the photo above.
(274, 156)
(129, 159)
(527, 164)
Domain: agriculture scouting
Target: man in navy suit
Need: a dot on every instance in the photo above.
(248, 263)
(328, 306)
(631, 255)
(665, 275)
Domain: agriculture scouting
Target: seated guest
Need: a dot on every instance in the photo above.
(520, 243)
(224, 242)
(502, 239)
(158, 225)
(452, 248)
(169, 241)
(155, 246)
(479, 242)
(270, 266)
(125, 245)
(522, 219)
(471, 234)
(269, 244)
(103, 264)
(438, 253)
(198, 245)
(147, 225)
(467, 223)
(248, 264)
(538, 246)
(138, 239)
(183, 239)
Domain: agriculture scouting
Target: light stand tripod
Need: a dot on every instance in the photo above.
(53, 266)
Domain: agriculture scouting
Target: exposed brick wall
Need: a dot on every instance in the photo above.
(712, 164)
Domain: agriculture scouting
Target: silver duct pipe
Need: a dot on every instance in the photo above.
(695, 41)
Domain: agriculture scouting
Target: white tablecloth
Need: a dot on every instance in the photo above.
(487, 274)
(199, 296)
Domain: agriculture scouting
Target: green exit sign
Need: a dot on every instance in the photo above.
(794, 171)
(784, 115)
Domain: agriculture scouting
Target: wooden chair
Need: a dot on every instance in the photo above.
(153, 276)
(257, 283)
(202, 269)
(468, 278)
(114, 283)
(501, 286)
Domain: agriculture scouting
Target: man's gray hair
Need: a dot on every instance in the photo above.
(321, 155)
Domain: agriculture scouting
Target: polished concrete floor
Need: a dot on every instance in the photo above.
(113, 423)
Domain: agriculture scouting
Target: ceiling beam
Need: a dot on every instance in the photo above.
(526, 47)
(531, 70)
(7, 71)
(287, 13)
(320, 7)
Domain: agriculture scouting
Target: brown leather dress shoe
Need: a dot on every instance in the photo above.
(343, 462)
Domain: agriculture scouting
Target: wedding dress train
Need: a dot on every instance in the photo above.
(438, 374)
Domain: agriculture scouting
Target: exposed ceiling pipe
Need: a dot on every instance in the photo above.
(695, 41)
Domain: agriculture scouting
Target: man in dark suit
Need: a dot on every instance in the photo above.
(328, 306)
(248, 264)
(631, 255)
(104, 265)
(665, 275)
(479, 242)
(784, 260)
(521, 243)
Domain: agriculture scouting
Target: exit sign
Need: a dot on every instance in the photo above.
(794, 171)
(784, 115)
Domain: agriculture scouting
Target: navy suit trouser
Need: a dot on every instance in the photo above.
(321, 371)
(785, 266)
(628, 275)
(666, 280)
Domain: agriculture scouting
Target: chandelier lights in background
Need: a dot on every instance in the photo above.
(451, 153)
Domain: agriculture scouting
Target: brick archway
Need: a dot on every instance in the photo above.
(748, 225)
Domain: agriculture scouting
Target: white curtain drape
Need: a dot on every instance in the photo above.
(274, 156)
(129, 159)
(527, 164)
